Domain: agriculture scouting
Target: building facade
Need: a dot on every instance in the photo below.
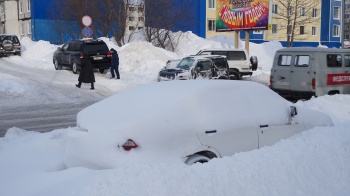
(9, 17)
(24, 18)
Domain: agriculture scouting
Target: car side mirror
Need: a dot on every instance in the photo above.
(293, 111)
(59, 48)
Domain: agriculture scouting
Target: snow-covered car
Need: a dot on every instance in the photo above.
(184, 121)
(197, 67)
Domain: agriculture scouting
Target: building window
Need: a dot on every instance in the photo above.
(28, 5)
(140, 9)
(131, 28)
(21, 27)
(211, 4)
(29, 27)
(131, 18)
(21, 7)
(291, 11)
(211, 25)
(275, 9)
(274, 28)
(131, 9)
(141, 19)
(313, 31)
(336, 30)
(302, 30)
(257, 32)
(314, 12)
(302, 11)
(336, 14)
(139, 28)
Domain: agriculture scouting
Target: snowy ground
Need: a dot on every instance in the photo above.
(315, 162)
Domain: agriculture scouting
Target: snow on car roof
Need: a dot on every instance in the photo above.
(238, 102)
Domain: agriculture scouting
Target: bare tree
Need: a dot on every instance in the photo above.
(163, 17)
(296, 14)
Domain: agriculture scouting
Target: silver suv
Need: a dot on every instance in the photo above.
(9, 45)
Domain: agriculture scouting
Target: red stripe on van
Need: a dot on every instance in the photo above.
(335, 79)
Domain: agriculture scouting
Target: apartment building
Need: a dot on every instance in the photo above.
(24, 18)
(135, 18)
(8, 17)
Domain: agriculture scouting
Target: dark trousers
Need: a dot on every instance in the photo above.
(115, 69)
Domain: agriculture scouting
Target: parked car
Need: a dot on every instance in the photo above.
(300, 73)
(73, 53)
(184, 122)
(197, 67)
(9, 45)
(238, 61)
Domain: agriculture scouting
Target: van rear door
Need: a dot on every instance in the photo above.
(281, 71)
(300, 77)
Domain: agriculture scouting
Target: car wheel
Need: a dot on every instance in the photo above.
(75, 68)
(234, 76)
(196, 158)
(102, 71)
(57, 66)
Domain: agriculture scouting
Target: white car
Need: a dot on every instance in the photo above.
(184, 121)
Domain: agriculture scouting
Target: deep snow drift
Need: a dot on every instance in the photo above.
(315, 162)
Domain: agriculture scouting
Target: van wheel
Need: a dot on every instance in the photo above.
(196, 158)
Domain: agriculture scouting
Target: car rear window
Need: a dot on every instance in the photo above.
(14, 39)
(95, 47)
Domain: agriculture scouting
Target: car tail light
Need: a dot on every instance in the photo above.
(129, 144)
(81, 55)
(109, 54)
(313, 83)
(271, 78)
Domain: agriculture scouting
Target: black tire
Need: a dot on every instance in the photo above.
(234, 76)
(102, 71)
(197, 158)
(57, 65)
(75, 68)
(254, 62)
(7, 45)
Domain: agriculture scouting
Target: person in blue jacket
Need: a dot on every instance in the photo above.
(115, 64)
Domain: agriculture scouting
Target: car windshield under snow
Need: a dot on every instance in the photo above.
(185, 64)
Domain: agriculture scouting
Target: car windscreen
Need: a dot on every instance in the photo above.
(220, 63)
(95, 47)
(185, 63)
(13, 39)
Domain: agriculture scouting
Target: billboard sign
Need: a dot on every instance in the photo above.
(235, 15)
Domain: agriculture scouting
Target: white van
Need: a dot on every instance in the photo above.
(238, 61)
(300, 73)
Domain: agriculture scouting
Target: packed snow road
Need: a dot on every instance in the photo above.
(42, 99)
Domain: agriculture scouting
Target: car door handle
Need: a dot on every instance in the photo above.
(281, 77)
(263, 126)
(211, 131)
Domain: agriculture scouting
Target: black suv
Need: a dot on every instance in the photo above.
(74, 53)
(9, 45)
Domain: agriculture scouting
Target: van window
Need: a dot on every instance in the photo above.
(284, 60)
(301, 61)
(236, 55)
(205, 53)
(347, 60)
(334, 60)
(204, 65)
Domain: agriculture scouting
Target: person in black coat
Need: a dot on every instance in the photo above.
(115, 64)
(86, 74)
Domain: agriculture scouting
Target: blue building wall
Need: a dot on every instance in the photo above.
(327, 22)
